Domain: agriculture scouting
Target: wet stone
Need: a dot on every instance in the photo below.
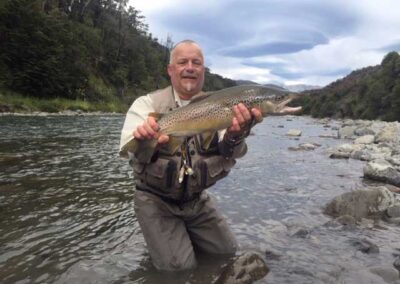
(396, 263)
(366, 246)
(245, 269)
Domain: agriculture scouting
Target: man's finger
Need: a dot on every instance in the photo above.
(257, 115)
(143, 132)
(153, 123)
(137, 135)
(163, 139)
(238, 115)
(149, 130)
(244, 111)
(235, 125)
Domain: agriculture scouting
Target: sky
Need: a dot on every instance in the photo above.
(313, 42)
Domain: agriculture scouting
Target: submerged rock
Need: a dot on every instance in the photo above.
(294, 132)
(387, 273)
(245, 269)
(365, 246)
(371, 202)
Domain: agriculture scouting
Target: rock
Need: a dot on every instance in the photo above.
(382, 170)
(347, 132)
(305, 146)
(325, 135)
(361, 155)
(272, 255)
(346, 220)
(245, 269)
(393, 211)
(388, 273)
(302, 233)
(309, 146)
(360, 276)
(393, 188)
(363, 203)
(390, 133)
(365, 246)
(294, 132)
(396, 263)
(366, 139)
(339, 155)
(362, 131)
(394, 160)
(348, 148)
(6, 108)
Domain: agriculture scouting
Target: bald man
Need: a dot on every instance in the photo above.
(176, 213)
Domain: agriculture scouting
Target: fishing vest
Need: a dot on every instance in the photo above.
(182, 175)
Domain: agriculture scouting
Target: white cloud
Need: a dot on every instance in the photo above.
(319, 41)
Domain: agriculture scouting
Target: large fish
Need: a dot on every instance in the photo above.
(210, 112)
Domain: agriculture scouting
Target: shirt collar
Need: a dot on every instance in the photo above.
(177, 98)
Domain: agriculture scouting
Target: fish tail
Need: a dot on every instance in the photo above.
(142, 149)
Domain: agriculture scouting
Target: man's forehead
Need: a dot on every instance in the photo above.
(188, 50)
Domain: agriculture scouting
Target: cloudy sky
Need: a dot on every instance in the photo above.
(310, 42)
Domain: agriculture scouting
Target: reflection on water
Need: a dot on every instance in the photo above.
(66, 212)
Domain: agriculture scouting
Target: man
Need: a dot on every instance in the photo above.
(175, 212)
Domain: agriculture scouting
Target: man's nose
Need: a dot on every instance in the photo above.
(190, 66)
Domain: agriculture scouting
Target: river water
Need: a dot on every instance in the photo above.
(66, 206)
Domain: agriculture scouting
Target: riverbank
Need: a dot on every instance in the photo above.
(16, 104)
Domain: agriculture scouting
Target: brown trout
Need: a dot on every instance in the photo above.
(211, 112)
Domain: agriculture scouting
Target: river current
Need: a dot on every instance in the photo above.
(66, 206)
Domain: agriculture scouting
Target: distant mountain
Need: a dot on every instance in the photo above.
(245, 82)
(368, 93)
(277, 87)
(301, 87)
(282, 87)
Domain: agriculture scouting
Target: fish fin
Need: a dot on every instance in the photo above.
(142, 149)
(207, 138)
(174, 143)
(156, 115)
(131, 146)
(200, 97)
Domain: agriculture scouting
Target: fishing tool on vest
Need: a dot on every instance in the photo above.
(186, 169)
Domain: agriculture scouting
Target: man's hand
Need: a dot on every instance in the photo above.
(149, 130)
(243, 118)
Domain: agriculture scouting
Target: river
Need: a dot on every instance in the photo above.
(66, 206)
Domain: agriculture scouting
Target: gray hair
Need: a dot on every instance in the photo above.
(185, 41)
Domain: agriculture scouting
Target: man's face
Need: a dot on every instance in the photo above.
(187, 70)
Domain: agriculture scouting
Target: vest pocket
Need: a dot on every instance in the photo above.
(212, 169)
(160, 174)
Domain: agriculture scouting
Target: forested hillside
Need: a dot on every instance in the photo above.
(93, 51)
(368, 93)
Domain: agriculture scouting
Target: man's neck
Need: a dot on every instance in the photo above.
(180, 98)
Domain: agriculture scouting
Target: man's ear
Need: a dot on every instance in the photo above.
(169, 69)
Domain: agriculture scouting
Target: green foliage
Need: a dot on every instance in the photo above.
(96, 51)
(369, 93)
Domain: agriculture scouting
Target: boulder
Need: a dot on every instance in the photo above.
(390, 133)
(244, 269)
(382, 170)
(371, 202)
(347, 132)
(366, 139)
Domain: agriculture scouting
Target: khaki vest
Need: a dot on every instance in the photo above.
(161, 175)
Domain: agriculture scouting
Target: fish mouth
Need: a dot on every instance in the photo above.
(283, 109)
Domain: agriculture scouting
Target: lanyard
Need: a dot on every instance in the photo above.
(186, 168)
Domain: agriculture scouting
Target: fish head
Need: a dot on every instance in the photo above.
(277, 105)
